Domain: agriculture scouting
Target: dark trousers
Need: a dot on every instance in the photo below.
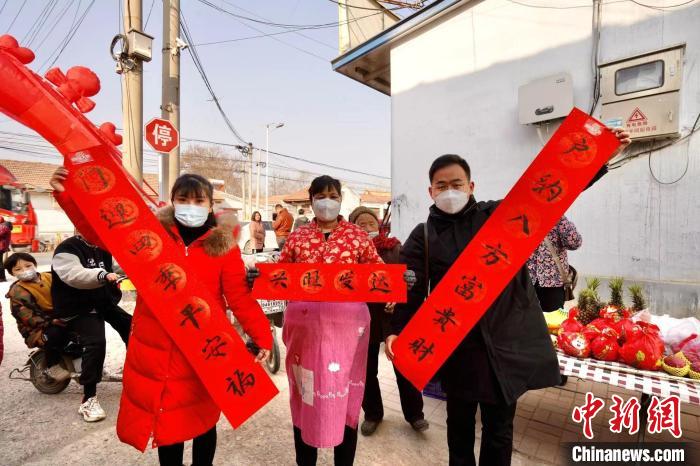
(55, 340)
(343, 454)
(91, 334)
(496, 432)
(551, 298)
(203, 450)
(3, 277)
(411, 398)
(118, 319)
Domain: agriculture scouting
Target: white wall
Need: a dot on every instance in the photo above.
(454, 90)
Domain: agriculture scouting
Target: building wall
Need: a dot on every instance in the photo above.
(454, 90)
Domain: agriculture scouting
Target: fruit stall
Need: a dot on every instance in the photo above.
(628, 347)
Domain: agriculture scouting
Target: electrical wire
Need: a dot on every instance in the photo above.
(200, 68)
(38, 22)
(654, 7)
(364, 7)
(150, 10)
(54, 25)
(3, 6)
(239, 39)
(16, 16)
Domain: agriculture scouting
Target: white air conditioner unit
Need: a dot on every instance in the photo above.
(545, 99)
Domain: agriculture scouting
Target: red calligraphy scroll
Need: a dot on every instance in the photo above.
(101, 196)
(378, 283)
(534, 205)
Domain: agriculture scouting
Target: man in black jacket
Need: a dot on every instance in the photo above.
(85, 296)
(508, 352)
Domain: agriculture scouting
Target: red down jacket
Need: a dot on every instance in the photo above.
(162, 396)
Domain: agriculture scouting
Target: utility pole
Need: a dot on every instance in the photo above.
(250, 179)
(132, 86)
(170, 97)
(257, 182)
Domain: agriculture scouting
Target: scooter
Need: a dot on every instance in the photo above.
(34, 370)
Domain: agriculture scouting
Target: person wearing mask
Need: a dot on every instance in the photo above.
(484, 371)
(282, 225)
(549, 260)
(301, 220)
(389, 250)
(32, 307)
(327, 341)
(5, 240)
(257, 232)
(163, 399)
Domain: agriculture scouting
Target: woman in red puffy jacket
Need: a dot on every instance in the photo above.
(163, 398)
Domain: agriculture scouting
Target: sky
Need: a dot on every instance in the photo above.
(328, 118)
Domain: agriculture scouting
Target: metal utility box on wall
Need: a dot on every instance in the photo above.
(545, 99)
(642, 93)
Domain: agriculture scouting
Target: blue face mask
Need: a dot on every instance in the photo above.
(191, 215)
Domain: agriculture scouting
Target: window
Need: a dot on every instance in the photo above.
(639, 77)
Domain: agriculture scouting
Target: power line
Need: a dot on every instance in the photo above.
(200, 68)
(364, 7)
(16, 16)
(39, 22)
(53, 27)
(149, 14)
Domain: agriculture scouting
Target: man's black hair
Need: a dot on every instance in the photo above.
(189, 184)
(447, 160)
(11, 261)
(318, 185)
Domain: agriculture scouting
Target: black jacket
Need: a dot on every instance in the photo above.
(79, 286)
(509, 351)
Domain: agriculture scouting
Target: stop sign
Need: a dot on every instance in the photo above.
(161, 135)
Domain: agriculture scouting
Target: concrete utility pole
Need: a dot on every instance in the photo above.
(250, 182)
(170, 98)
(132, 86)
(257, 182)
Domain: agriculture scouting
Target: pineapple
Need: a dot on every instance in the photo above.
(638, 301)
(616, 290)
(588, 308)
(593, 284)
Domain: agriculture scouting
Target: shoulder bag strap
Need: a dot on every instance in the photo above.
(566, 280)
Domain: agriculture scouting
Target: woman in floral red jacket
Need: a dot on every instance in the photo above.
(327, 342)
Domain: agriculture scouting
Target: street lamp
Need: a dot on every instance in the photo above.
(274, 126)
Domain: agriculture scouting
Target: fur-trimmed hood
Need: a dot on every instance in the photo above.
(219, 241)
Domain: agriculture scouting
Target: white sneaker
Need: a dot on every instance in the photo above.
(91, 410)
(58, 373)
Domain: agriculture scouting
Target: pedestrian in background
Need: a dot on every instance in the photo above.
(5, 240)
(389, 250)
(301, 219)
(257, 232)
(550, 261)
(282, 225)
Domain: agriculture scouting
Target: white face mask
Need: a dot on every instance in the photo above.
(373, 234)
(451, 201)
(191, 215)
(326, 210)
(27, 275)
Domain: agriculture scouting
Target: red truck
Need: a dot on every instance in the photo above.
(16, 207)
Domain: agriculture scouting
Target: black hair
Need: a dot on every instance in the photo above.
(318, 185)
(11, 261)
(279, 205)
(190, 184)
(252, 217)
(447, 160)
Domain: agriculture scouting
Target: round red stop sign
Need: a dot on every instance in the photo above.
(161, 135)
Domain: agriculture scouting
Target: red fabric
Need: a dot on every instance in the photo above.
(347, 244)
(283, 224)
(5, 236)
(162, 395)
(384, 243)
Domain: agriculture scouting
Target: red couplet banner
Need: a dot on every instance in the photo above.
(102, 194)
(372, 283)
(562, 170)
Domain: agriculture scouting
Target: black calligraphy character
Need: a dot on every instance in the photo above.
(418, 346)
(169, 276)
(445, 317)
(213, 347)
(378, 282)
(525, 221)
(312, 279)
(345, 280)
(467, 289)
(552, 189)
(117, 216)
(279, 279)
(189, 313)
(494, 255)
(144, 242)
(94, 175)
(580, 146)
(239, 382)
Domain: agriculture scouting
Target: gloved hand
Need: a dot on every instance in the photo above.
(251, 275)
(409, 276)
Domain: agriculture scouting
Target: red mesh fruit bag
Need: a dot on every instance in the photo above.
(574, 344)
(643, 351)
(571, 324)
(605, 348)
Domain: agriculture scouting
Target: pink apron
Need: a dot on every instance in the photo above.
(326, 366)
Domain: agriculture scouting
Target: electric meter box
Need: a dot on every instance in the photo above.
(545, 99)
(642, 93)
(139, 45)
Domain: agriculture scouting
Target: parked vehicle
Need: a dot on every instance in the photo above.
(16, 207)
(246, 244)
